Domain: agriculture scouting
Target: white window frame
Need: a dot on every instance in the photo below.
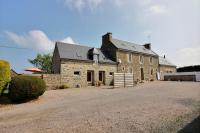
(141, 59)
(151, 60)
(129, 57)
(130, 70)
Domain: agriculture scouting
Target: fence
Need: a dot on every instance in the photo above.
(123, 80)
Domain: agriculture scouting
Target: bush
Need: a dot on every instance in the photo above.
(4, 74)
(25, 88)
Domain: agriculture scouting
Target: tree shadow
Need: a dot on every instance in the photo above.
(193, 127)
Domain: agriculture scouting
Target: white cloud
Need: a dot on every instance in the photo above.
(158, 9)
(92, 4)
(35, 39)
(188, 56)
(81, 4)
(68, 40)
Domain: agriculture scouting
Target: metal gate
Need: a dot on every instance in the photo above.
(123, 80)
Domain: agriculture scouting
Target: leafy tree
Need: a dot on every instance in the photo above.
(43, 62)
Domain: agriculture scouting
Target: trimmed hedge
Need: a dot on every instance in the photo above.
(25, 88)
(4, 74)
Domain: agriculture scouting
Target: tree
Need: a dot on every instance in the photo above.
(43, 62)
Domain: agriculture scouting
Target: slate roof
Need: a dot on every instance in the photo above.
(79, 52)
(164, 61)
(124, 45)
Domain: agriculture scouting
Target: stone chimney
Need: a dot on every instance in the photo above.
(106, 38)
(147, 46)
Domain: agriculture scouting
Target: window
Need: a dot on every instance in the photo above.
(141, 59)
(151, 71)
(129, 57)
(130, 70)
(76, 72)
(123, 68)
(111, 73)
(151, 60)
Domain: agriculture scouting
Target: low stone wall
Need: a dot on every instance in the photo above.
(52, 80)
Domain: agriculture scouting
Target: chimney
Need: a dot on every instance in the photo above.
(164, 56)
(106, 38)
(147, 46)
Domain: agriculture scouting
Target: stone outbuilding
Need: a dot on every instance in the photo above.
(165, 67)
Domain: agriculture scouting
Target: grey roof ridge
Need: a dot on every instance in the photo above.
(127, 41)
(134, 44)
(82, 45)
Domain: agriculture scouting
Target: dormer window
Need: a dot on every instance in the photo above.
(94, 55)
(96, 58)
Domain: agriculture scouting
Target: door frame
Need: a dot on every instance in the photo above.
(142, 73)
(103, 75)
(92, 77)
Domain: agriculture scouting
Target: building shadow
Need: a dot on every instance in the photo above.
(193, 127)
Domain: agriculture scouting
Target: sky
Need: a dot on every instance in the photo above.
(33, 26)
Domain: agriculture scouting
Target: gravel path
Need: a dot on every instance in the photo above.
(149, 107)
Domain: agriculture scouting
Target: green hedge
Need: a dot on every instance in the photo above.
(25, 88)
(4, 74)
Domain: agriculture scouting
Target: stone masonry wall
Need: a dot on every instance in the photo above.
(135, 65)
(166, 69)
(52, 80)
(68, 68)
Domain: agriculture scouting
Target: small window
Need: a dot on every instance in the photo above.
(76, 72)
(130, 70)
(141, 59)
(111, 73)
(123, 68)
(151, 60)
(151, 71)
(129, 57)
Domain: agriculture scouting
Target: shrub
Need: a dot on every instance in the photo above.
(25, 88)
(4, 74)
(63, 87)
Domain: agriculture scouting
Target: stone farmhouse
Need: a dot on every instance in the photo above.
(82, 65)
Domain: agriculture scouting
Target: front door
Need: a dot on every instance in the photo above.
(90, 77)
(102, 76)
(142, 73)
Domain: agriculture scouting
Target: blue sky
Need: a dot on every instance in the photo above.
(174, 26)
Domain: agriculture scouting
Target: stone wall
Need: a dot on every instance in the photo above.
(52, 80)
(68, 68)
(166, 69)
(136, 65)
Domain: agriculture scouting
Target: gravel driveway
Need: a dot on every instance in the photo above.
(149, 107)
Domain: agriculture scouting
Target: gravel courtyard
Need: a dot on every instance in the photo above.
(149, 107)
